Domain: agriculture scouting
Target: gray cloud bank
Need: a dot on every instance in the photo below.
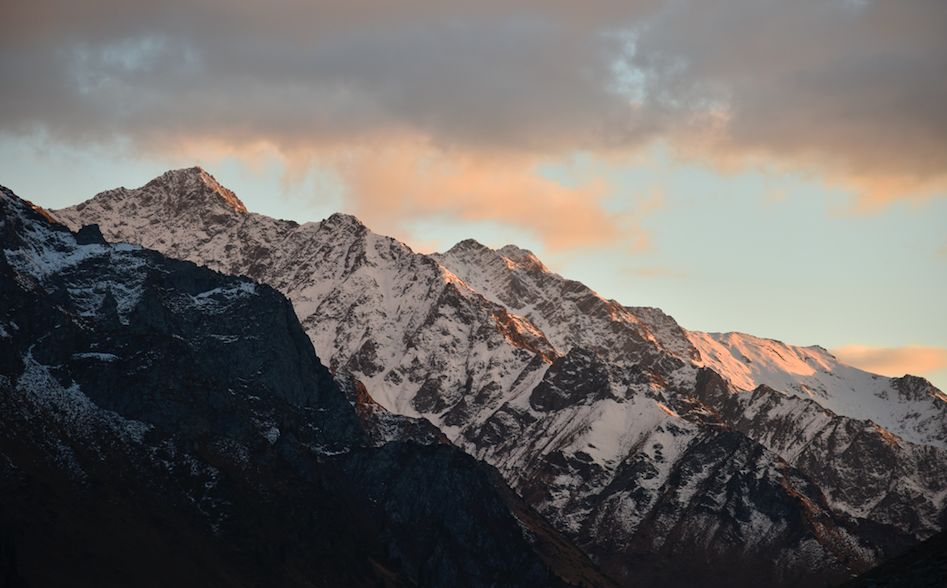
(852, 87)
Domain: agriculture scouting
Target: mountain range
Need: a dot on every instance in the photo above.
(165, 424)
(664, 455)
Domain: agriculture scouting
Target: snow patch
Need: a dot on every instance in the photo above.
(70, 406)
(104, 357)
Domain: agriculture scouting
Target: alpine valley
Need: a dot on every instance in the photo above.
(480, 419)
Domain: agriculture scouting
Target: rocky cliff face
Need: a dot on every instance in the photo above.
(164, 424)
(665, 453)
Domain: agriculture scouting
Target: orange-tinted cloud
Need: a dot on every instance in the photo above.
(844, 90)
(894, 361)
(401, 180)
(851, 91)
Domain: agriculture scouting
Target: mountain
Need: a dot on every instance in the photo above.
(910, 407)
(801, 403)
(923, 566)
(666, 454)
(571, 314)
(165, 424)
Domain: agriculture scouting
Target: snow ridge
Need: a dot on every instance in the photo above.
(812, 372)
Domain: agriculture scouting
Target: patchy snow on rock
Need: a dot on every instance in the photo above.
(106, 357)
(217, 300)
(272, 435)
(70, 406)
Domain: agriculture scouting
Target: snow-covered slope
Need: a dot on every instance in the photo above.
(568, 312)
(571, 314)
(592, 410)
(832, 421)
(909, 407)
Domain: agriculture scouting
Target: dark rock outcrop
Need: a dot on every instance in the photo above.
(923, 566)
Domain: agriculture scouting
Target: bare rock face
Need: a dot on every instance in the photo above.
(669, 455)
(164, 424)
(578, 377)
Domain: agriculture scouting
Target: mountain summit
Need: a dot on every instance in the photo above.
(194, 186)
(189, 192)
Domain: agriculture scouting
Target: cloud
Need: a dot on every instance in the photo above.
(398, 181)
(534, 77)
(848, 89)
(854, 91)
(894, 361)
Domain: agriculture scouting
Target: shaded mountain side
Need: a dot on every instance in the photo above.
(163, 424)
(923, 566)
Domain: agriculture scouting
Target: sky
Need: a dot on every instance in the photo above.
(771, 167)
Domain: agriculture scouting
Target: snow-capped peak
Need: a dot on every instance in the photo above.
(341, 221)
(194, 182)
(469, 245)
(513, 256)
(522, 257)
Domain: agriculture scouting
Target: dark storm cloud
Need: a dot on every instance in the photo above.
(858, 87)
(300, 72)
(849, 87)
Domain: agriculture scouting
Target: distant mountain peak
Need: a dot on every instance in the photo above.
(511, 254)
(340, 220)
(194, 181)
(468, 245)
(522, 257)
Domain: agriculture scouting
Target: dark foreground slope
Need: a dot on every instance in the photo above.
(924, 566)
(163, 424)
